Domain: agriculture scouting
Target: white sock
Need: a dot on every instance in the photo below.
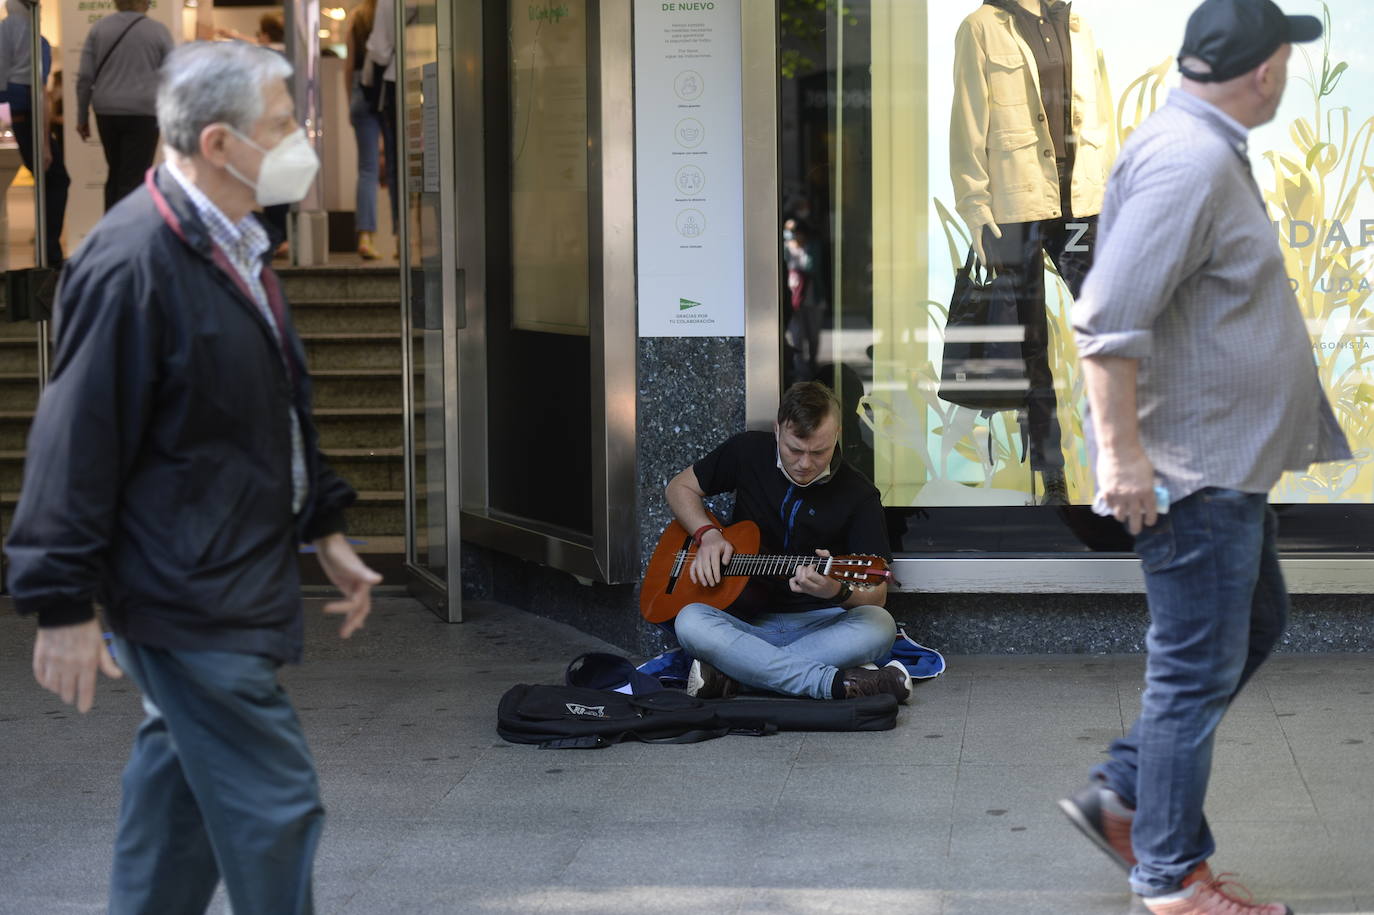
(1113, 804)
(1175, 897)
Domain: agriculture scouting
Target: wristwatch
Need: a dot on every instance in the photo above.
(844, 593)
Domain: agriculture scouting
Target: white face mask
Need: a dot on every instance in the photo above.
(286, 172)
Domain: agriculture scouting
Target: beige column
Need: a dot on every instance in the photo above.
(901, 225)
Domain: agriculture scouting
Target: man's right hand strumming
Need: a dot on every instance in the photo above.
(713, 553)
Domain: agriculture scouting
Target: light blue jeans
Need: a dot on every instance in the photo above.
(1217, 609)
(368, 128)
(797, 654)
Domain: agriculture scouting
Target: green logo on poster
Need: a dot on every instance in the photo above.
(548, 13)
(684, 304)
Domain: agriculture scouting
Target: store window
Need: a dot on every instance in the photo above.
(910, 129)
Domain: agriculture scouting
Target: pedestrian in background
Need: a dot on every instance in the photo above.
(16, 80)
(272, 34)
(364, 113)
(272, 31)
(118, 79)
(378, 78)
(173, 470)
(1200, 380)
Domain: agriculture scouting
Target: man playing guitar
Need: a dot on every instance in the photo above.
(807, 635)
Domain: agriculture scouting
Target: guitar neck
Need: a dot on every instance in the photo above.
(763, 564)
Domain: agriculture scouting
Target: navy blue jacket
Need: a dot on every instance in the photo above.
(158, 475)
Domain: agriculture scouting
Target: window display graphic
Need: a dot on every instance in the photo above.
(1042, 97)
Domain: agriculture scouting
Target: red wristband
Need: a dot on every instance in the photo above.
(701, 532)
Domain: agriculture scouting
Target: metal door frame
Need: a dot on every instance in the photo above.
(611, 553)
(443, 595)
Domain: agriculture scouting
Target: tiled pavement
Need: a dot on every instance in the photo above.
(953, 812)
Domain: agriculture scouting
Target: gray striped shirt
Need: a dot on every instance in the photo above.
(1188, 278)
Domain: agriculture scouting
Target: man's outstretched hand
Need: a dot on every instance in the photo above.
(66, 660)
(351, 576)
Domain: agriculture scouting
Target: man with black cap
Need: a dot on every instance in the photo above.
(1201, 383)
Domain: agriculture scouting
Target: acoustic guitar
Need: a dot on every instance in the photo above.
(668, 587)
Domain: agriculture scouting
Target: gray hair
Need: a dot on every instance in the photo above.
(213, 82)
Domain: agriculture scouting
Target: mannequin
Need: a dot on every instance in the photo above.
(1030, 150)
(1034, 7)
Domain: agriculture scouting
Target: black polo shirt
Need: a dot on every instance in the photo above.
(843, 515)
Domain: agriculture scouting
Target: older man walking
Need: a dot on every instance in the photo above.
(1200, 379)
(173, 470)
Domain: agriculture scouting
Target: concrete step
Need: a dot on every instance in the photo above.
(370, 428)
(364, 446)
(14, 429)
(11, 470)
(17, 330)
(18, 390)
(339, 316)
(21, 355)
(357, 387)
(377, 513)
(364, 468)
(341, 283)
(352, 351)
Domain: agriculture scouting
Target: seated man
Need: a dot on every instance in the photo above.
(808, 635)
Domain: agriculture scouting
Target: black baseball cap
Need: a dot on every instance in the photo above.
(1236, 36)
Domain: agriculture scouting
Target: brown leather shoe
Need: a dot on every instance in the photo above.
(866, 681)
(705, 682)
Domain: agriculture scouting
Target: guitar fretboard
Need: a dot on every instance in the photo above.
(762, 564)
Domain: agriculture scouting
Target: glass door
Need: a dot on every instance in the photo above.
(432, 290)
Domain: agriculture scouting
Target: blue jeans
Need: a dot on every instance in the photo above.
(219, 784)
(798, 654)
(368, 126)
(1217, 609)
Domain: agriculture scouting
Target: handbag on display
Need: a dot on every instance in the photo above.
(982, 367)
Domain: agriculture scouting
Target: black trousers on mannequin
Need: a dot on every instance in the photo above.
(130, 145)
(55, 187)
(1020, 254)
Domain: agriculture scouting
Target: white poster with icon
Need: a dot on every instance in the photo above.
(689, 161)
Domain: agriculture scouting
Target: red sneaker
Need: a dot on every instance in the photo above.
(1213, 896)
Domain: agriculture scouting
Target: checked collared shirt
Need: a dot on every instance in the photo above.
(245, 244)
(1189, 279)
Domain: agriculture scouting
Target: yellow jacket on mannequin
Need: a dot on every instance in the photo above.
(1002, 158)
